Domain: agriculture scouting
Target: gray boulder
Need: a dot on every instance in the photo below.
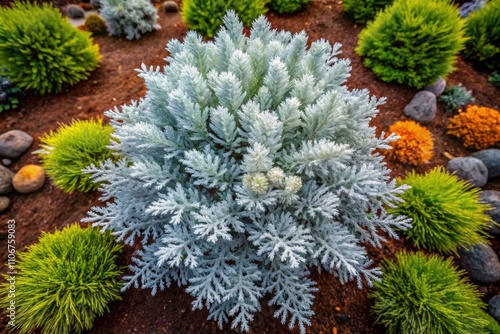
(6, 176)
(494, 307)
(422, 108)
(492, 198)
(14, 143)
(437, 88)
(481, 263)
(491, 159)
(75, 12)
(469, 169)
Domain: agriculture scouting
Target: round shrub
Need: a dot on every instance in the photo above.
(64, 281)
(426, 294)
(412, 42)
(287, 6)
(41, 50)
(415, 143)
(482, 28)
(72, 148)
(446, 211)
(206, 16)
(248, 163)
(456, 97)
(129, 18)
(95, 24)
(477, 127)
(364, 10)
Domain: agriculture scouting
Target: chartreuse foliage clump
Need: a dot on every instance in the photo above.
(73, 147)
(415, 144)
(247, 163)
(427, 294)
(206, 16)
(287, 6)
(64, 281)
(412, 42)
(41, 50)
(482, 28)
(445, 210)
(364, 10)
(129, 18)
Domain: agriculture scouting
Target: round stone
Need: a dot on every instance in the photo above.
(422, 108)
(5, 180)
(28, 179)
(4, 203)
(481, 263)
(469, 169)
(491, 159)
(494, 307)
(14, 143)
(170, 7)
(437, 88)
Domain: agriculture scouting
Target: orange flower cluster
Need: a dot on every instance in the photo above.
(415, 143)
(477, 127)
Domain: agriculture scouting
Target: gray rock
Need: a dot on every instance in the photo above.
(422, 108)
(492, 198)
(469, 169)
(491, 159)
(6, 176)
(170, 7)
(96, 4)
(4, 203)
(494, 307)
(75, 12)
(481, 263)
(6, 162)
(14, 143)
(437, 88)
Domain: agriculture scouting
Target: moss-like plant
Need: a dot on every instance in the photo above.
(456, 97)
(415, 143)
(482, 28)
(64, 281)
(95, 24)
(206, 16)
(413, 41)
(9, 94)
(446, 211)
(73, 147)
(287, 6)
(364, 10)
(41, 50)
(477, 127)
(494, 78)
(426, 294)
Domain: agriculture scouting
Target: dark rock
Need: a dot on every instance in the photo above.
(170, 7)
(494, 307)
(492, 198)
(481, 263)
(437, 88)
(14, 143)
(422, 108)
(6, 176)
(469, 169)
(491, 159)
(74, 12)
(96, 4)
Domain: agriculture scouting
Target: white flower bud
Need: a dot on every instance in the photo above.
(256, 182)
(276, 176)
(292, 184)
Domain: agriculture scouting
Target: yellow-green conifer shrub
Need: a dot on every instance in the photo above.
(41, 50)
(64, 281)
(95, 24)
(66, 152)
(413, 42)
(446, 211)
(415, 143)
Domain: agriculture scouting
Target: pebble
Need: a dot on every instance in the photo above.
(437, 88)
(14, 143)
(4, 203)
(481, 263)
(6, 162)
(494, 307)
(170, 7)
(492, 197)
(422, 108)
(5, 180)
(469, 169)
(491, 159)
(28, 179)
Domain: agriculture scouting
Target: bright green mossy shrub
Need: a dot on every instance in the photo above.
(364, 10)
(483, 31)
(445, 210)
(287, 6)
(420, 294)
(73, 147)
(412, 42)
(41, 50)
(64, 281)
(206, 16)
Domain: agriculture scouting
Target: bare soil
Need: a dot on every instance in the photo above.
(338, 308)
